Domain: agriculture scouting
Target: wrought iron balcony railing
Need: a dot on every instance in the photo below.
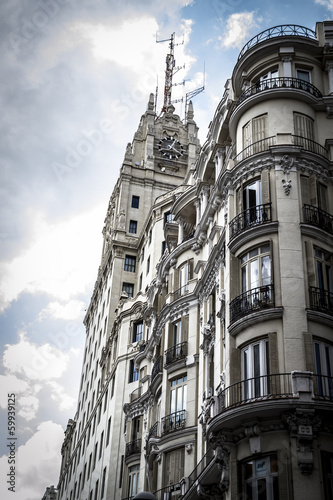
(157, 368)
(173, 422)
(133, 447)
(318, 217)
(154, 430)
(321, 300)
(274, 386)
(170, 492)
(252, 300)
(323, 387)
(279, 83)
(256, 147)
(181, 291)
(176, 352)
(278, 31)
(310, 145)
(260, 214)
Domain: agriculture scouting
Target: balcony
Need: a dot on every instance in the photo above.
(323, 387)
(133, 448)
(256, 299)
(170, 492)
(157, 368)
(279, 83)
(256, 147)
(173, 422)
(136, 394)
(318, 217)
(278, 31)
(175, 353)
(321, 300)
(276, 386)
(254, 216)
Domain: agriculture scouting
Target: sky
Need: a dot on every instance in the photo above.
(75, 79)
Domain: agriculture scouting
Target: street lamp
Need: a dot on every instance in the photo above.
(145, 495)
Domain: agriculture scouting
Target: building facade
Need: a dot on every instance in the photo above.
(209, 353)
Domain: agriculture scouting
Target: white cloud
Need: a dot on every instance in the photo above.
(74, 309)
(58, 394)
(37, 363)
(61, 259)
(239, 26)
(11, 384)
(325, 3)
(37, 463)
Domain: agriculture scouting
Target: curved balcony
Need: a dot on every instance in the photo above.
(275, 386)
(172, 491)
(321, 300)
(173, 422)
(261, 297)
(157, 368)
(133, 448)
(279, 83)
(317, 217)
(254, 216)
(175, 353)
(278, 31)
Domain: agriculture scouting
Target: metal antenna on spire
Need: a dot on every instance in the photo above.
(169, 71)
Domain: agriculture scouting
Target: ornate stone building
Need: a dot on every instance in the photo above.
(208, 363)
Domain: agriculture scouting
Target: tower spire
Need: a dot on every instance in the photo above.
(170, 70)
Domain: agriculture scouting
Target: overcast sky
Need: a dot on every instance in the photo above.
(75, 78)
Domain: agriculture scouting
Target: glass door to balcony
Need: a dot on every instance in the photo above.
(324, 369)
(255, 370)
(251, 202)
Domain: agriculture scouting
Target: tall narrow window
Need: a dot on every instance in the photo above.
(138, 331)
(130, 262)
(103, 483)
(184, 277)
(254, 133)
(133, 480)
(178, 394)
(256, 268)
(108, 433)
(323, 270)
(174, 466)
(324, 368)
(303, 126)
(133, 374)
(255, 367)
(135, 201)
(129, 289)
(133, 226)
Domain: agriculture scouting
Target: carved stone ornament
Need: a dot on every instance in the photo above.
(286, 163)
(304, 425)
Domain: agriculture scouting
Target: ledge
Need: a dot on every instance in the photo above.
(252, 318)
(248, 234)
(320, 317)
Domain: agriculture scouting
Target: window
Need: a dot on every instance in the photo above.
(96, 489)
(174, 466)
(168, 217)
(327, 466)
(303, 127)
(150, 236)
(135, 201)
(133, 375)
(130, 262)
(133, 226)
(260, 479)
(129, 289)
(133, 480)
(255, 368)
(101, 446)
(305, 76)
(148, 265)
(142, 254)
(178, 394)
(256, 268)
(103, 483)
(163, 247)
(324, 368)
(184, 277)
(140, 281)
(138, 331)
(108, 433)
(323, 270)
(253, 131)
(252, 195)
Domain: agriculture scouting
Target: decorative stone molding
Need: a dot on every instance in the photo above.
(208, 333)
(303, 426)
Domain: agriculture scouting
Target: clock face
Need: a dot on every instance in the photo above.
(170, 148)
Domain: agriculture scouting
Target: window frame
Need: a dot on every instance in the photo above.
(135, 201)
(130, 263)
(133, 226)
(128, 288)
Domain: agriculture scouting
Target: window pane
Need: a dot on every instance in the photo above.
(266, 270)
(254, 274)
(262, 493)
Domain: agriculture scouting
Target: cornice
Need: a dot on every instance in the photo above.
(251, 319)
